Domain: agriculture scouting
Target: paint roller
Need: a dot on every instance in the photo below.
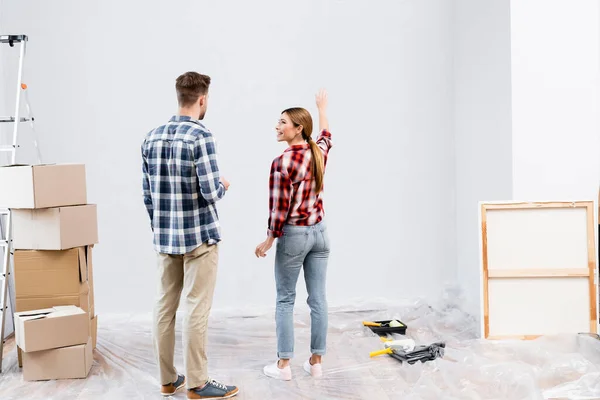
(393, 346)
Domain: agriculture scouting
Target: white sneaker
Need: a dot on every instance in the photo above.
(273, 371)
(315, 370)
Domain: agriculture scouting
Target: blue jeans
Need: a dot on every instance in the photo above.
(300, 246)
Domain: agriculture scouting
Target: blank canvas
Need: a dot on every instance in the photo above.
(538, 266)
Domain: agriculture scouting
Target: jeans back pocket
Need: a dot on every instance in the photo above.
(294, 244)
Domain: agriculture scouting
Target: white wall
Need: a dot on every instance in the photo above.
(526, 111)
(103, 75)
(555, 107)
(482, 125)
(556, 88)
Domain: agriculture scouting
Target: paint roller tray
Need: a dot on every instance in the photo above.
(385, 328)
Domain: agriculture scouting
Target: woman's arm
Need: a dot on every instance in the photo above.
(324, 139)
(280, 188)
(322, 107)
(280, 194)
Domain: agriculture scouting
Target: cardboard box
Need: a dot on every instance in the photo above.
(55, 228)
(90, 276)
(51, 328)
(82, 301)
(44, 279)
(35, 303)
(65, 363)
(43, 186)
(94, 330)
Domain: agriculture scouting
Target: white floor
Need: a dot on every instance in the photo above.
(124, 367)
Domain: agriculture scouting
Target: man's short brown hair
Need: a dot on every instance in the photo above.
(190, 86)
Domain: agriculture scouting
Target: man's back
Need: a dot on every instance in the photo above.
(181, 185)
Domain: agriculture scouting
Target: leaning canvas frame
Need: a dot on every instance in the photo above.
(535, 300)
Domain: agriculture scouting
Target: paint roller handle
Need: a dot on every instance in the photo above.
(380, 352)
(369, 323)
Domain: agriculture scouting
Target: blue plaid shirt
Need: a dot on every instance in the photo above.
(181, 185)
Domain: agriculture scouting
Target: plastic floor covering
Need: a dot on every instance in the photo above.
(556, 367)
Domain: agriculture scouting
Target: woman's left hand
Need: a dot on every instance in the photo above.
(261, 249)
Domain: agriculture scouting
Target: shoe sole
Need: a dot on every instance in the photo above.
(230, 395)
(176, 389)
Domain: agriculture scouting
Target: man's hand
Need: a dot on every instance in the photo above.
(225, 183)
(261, 249)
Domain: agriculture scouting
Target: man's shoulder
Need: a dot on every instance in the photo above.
(159, 130)
(190, 130)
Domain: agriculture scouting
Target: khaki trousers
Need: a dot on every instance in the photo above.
(192, 278)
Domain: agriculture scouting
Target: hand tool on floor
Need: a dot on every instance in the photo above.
(391, 324)
(421, 353)
(405, 345)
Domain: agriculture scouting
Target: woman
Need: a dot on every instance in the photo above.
(296, 219)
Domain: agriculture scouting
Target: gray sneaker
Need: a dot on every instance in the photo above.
(171, 388)
(213, 390)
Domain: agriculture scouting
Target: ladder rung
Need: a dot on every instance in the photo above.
(12, 119)
(9, 147)
(13, 38)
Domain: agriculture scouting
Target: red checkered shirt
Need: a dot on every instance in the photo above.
(293, 199)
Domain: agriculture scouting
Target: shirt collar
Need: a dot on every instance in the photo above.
(298, 147)
(185, 118)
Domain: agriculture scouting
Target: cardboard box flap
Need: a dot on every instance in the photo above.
(34, 314)
(68, 310)
(54, 312)
(83, 274)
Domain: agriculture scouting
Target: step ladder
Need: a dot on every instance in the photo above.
(7, 292)
(6, 274)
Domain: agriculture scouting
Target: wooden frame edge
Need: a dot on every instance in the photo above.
(537, 204)
(539, 273)
(514, 337)
(591, 235)
(589, 206)
(484, 250)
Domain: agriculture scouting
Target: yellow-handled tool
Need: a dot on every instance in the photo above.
(391, 345)
(389, 350)
(392, 324)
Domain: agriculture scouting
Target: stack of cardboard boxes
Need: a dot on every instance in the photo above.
(54, 230)
(56, 343)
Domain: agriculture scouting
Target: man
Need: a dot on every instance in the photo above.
(181, 186)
